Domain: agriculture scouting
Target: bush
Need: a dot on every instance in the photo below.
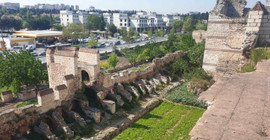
(181, 95)
(104, 65)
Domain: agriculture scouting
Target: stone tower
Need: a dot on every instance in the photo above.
(230, 8)
(267, 3)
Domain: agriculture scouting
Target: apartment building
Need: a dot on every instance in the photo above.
(108, 17)
(121, 20)
(168, 20)
(139, 22)
(9, 5)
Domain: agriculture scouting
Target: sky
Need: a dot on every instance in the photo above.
(160, 6)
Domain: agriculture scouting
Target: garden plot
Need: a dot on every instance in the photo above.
(166, 122)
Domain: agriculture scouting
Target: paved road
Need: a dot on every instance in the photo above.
(240, 110)
(133, 45)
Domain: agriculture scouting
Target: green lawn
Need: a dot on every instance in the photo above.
(142, 68)
(166, 122)
(35, 102)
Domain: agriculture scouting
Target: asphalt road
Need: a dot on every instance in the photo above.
(133, 45)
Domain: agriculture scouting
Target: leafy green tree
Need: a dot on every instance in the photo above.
(150, 33)
(188, 25)
(58, 27)
(112, 29)
(113, 60)
(144, 56)
(8, 22)
(18, 69)
(95, 22)
(177, 24)
(92, 42)
(201, 25)
(74, 32)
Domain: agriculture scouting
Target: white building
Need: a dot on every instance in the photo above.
(9, 5)
(176, 17)
(121, 20)
(108, 17)
(168, 20)
(70, 17)
(139, 22)
(156, 20)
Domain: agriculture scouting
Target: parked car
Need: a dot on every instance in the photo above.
(117, 43)
(30, 48)
(34, 53)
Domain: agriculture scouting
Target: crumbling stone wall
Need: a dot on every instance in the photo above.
(231, 34)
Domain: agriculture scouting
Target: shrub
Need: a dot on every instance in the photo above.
(181, 95)
(104, 65)
(113, 60)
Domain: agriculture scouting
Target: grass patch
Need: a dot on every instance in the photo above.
(181, 95)
(256, 56)
(142, 68)
(163, 123)
(35, 102)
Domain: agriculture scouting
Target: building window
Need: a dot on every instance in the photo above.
(121, 20)
(125, 24)
(121, 24)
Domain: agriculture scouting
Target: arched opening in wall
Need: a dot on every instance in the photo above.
(85, 77)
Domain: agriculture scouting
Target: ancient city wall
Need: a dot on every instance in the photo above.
(223, 44)
(110, 79)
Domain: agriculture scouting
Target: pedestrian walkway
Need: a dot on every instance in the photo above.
(240, 107)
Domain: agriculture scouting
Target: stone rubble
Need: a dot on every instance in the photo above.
(62, 124)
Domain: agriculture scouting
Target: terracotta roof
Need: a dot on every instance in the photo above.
(6, 92)
(61, 87)
(86, 50)
(259, 7)
(69, 77)
(45, 92)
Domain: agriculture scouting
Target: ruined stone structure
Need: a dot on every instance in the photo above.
(232, 31)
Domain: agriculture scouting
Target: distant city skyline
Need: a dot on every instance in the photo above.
(160, 6)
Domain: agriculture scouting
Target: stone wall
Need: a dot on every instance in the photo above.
(223, 44)
(108, 80)
(230, 36)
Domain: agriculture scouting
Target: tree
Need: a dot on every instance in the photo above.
(150, 33)
(201, 25)
(74, 32)
(144, 56)
(113, 60)
(92, 42)
(188, 25)
(10, 22)
(95, 22)
(177, 24)
(112, 29)
(18, 69)
(58, 27)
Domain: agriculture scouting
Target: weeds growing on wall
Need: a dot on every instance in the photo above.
(256, 56)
